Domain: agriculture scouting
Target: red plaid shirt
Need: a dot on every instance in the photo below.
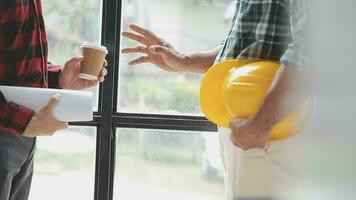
(23, 58)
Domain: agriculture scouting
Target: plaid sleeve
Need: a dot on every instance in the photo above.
(269, 21)
(53, 75)
(13, 117)
(296, 55)
(261, 30)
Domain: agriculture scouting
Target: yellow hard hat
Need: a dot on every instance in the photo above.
(237, 88)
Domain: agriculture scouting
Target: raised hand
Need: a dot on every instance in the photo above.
(157, 51)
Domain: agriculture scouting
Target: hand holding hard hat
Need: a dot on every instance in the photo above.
(237, 88)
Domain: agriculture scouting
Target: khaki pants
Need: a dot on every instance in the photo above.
(263, 174)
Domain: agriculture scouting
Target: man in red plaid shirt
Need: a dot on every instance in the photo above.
(23, 62)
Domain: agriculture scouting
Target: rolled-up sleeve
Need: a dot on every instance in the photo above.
(261, 30)
(14, 118)
(297, 53)
(53, 75)
(271, 22)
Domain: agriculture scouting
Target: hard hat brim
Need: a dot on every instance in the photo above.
(211, 98)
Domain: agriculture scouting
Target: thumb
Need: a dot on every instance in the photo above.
(77, 59)
(238, 122)
(53, 102)
(74, 60)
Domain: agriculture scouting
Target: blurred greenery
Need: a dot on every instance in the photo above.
(171, 95)
(68, 24)
(62, 162)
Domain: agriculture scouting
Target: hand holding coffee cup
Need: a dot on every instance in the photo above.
(94, 58)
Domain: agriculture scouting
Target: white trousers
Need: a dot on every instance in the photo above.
(263, 174)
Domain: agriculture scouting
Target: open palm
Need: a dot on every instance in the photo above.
(157, 50)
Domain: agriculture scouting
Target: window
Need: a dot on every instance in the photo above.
(189, 26)
(143, 116)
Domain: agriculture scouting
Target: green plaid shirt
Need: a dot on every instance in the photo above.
(267, 29)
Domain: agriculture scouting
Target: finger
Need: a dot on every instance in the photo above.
(103, 72)
(240, 138)
(138, 38)
(62, 125)
(237, 143)
(50, 133)
(92, 83)
(59, 125)
(53, 102)
(138, 49)
(245, 148)
(140, 60)
(143, 31)
(240, 145)
(101, 79)
(105, 63)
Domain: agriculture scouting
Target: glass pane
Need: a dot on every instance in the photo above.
(165, 165)
(65, 165)
(189, 25)
(68, 24)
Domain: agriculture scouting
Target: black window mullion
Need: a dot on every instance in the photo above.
(94, 122)
(108, 118)
(105, 154)
(169, 122)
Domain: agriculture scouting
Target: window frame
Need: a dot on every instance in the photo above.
(108, 118)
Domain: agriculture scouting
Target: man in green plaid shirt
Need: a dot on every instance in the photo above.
(261, 29)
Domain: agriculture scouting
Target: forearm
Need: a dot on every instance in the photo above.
(289, 90)
(201, 61)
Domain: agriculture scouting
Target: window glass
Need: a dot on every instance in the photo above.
(157, 164)
(189, 25)
(68, 24)
(65, 165)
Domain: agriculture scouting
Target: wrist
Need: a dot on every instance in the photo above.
(31, 127)
(264, 124)
(196, 62)
(188, 62)
(202, 61)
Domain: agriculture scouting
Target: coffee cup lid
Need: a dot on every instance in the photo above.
(94, 46)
